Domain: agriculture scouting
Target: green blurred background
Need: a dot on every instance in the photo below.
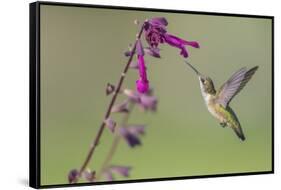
(82, 50)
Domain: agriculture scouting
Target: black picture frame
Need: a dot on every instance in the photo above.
(34, 98)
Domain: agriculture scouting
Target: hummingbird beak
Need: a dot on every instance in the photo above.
(201, 77)
(195, 70)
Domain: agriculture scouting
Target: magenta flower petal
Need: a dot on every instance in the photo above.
(192, 44)
(142, 83)
(142, 68)
(142, 86)
(179, 43)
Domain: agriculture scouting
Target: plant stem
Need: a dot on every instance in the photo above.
(115, 143)
(102, 126)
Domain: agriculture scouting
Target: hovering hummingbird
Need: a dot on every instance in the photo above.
(217, 102)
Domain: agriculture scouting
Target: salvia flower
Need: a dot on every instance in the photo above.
(142, 83)
(119, 170)
(134, 65)
(130, 135)
(132, 95)
(121, 108)
(155, 33)
(108, 175)
(154, 52)
(180, 43)
(89, 175)
(148, 102)
(73, 176)
(110, 124)
(137, 129)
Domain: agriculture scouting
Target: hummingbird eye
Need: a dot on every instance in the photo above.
(202, 80)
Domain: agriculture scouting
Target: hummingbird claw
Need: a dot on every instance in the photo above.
(223, 124)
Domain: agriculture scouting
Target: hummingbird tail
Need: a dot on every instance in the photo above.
(239, 132)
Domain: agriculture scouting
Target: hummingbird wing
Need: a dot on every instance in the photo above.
(234, 85)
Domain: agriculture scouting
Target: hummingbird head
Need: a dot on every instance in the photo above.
(206, 83)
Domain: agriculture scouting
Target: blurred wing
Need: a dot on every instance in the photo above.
(234, 85)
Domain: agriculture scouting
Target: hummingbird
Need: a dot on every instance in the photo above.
(217, 102)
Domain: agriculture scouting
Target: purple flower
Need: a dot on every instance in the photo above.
(180, 43)
(73, 176)
(136, 129)
(155, 33)
(142, 83)
(154, 52)
(108, 175)
(131, 134)
(134, 65)
(89, 175)
(110, 124)
(119, 170)
(132, 95)
(145, 101)
(121, 108)
(148, 102)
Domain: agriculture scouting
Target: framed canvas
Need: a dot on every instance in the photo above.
(122, 94)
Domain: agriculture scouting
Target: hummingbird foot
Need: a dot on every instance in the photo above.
(223, 124)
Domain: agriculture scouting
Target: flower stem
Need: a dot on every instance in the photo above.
(102, 126)
(115, 143)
